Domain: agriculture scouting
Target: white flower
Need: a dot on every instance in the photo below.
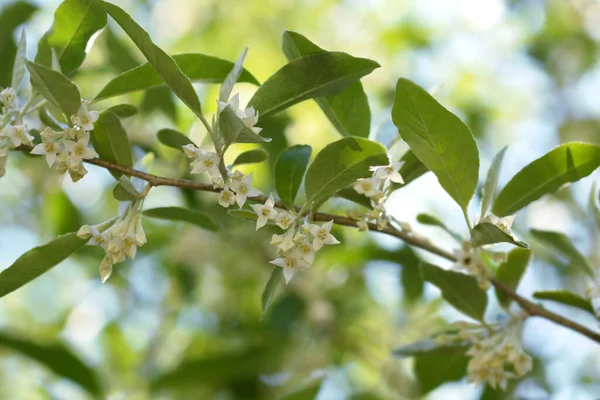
(466, 259)
(18, 135)
(205, 161)
(234, 103)
(287, 241)
(248, 116)
(284, 219)
(243, 189)
(368, 187)
(49, 147)
(389, 172)
(85, 119)
(79, 150)
(304, 248)
(8, 98)
(226, 198)
(504, 223)
(265, 212)
(321, 235)
(290, 262)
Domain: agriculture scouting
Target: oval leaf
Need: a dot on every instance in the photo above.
(251, 157)
(110, 141)
(460, 290)
(438, 138)
(183, 214)
(440, 365)
(290, 168)
(166, 67)
(568, 162)
(125, 191)
(37, 261)
(510, 273)
(197, 67)
(351, 195)
(562, 244)
(314, 75)
(56, 357)
(270, 288)
(55, 87)
(173, 138)
(123, 110)
(75, 22)
(491, 182)
(488, 233)
(244, 214)
(348, 111)
(566, 297)
(340, 164)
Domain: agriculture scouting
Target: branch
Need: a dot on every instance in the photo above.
(531, 308)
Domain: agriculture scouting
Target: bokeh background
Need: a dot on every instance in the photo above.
(184, 320)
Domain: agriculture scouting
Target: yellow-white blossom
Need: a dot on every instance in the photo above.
(264, 212)
(321, 235)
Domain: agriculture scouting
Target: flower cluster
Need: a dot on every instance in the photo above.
(12, 135)
(375, 188)
(66, 150)
(496, 357)
(118, 237)
(468, 259)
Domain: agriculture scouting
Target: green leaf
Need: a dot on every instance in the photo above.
(438, 138)
(488, 233)
(110, 141)
(183, 214)
(55, 87)
(198, 67)
(12, 14)
(118, 54)
(593, 205)
(568, 162)
(37, 261)
(232, 78)
(125, 191)
(251, 157)
(173, 138)
(166, 67)
(308, 393)
(160, 98)
(290, 168)
(351, 195)
(123, 110)
(47, 119)
(563, 245)
(19, 64)
(270, 288)
(75, 22)
(58, 358)
(460, 290)
(233, 129)
(340, 164)
(348, 111)
(243, 214)
(423, 347)
(491, 182)
(566, 297)
(313, 75)
(439, 366)
(412, 167)
(511, 271)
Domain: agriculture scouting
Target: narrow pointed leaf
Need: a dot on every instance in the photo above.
(37, 261)
(563, 245)
(348, 111)
(173, 138)
(488, 233)
(251, 157)
(290, 168)
(491, 182)
(232, 78)
(183, 214)
(568, 162)
(511, 272)
(55, 87)
(111, 142)
(438, 138)
(19, 64)
(311, 76)
(197, 67)
(460, 290)
(340, 164)
(566, 297)
(58, 358)
(166, 67)
(12, 15)
(270, 289)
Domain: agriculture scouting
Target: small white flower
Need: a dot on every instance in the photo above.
(243, 189)
(368, 187)
(18, 135)
(265, 212)
(249, 118)
(321, 235)
(234, 103)
(290, 262)
(226, 198)
(79, 150)
(304, 248)
(287, 241)
(466, 258)
(206, 161)
(49, 147)
(284, 219)
(504, 223)
(389, 172)
(105, 269)
(85, 119)
(8, 98)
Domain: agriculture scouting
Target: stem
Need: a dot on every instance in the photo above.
(466, 215)
(528, 306)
